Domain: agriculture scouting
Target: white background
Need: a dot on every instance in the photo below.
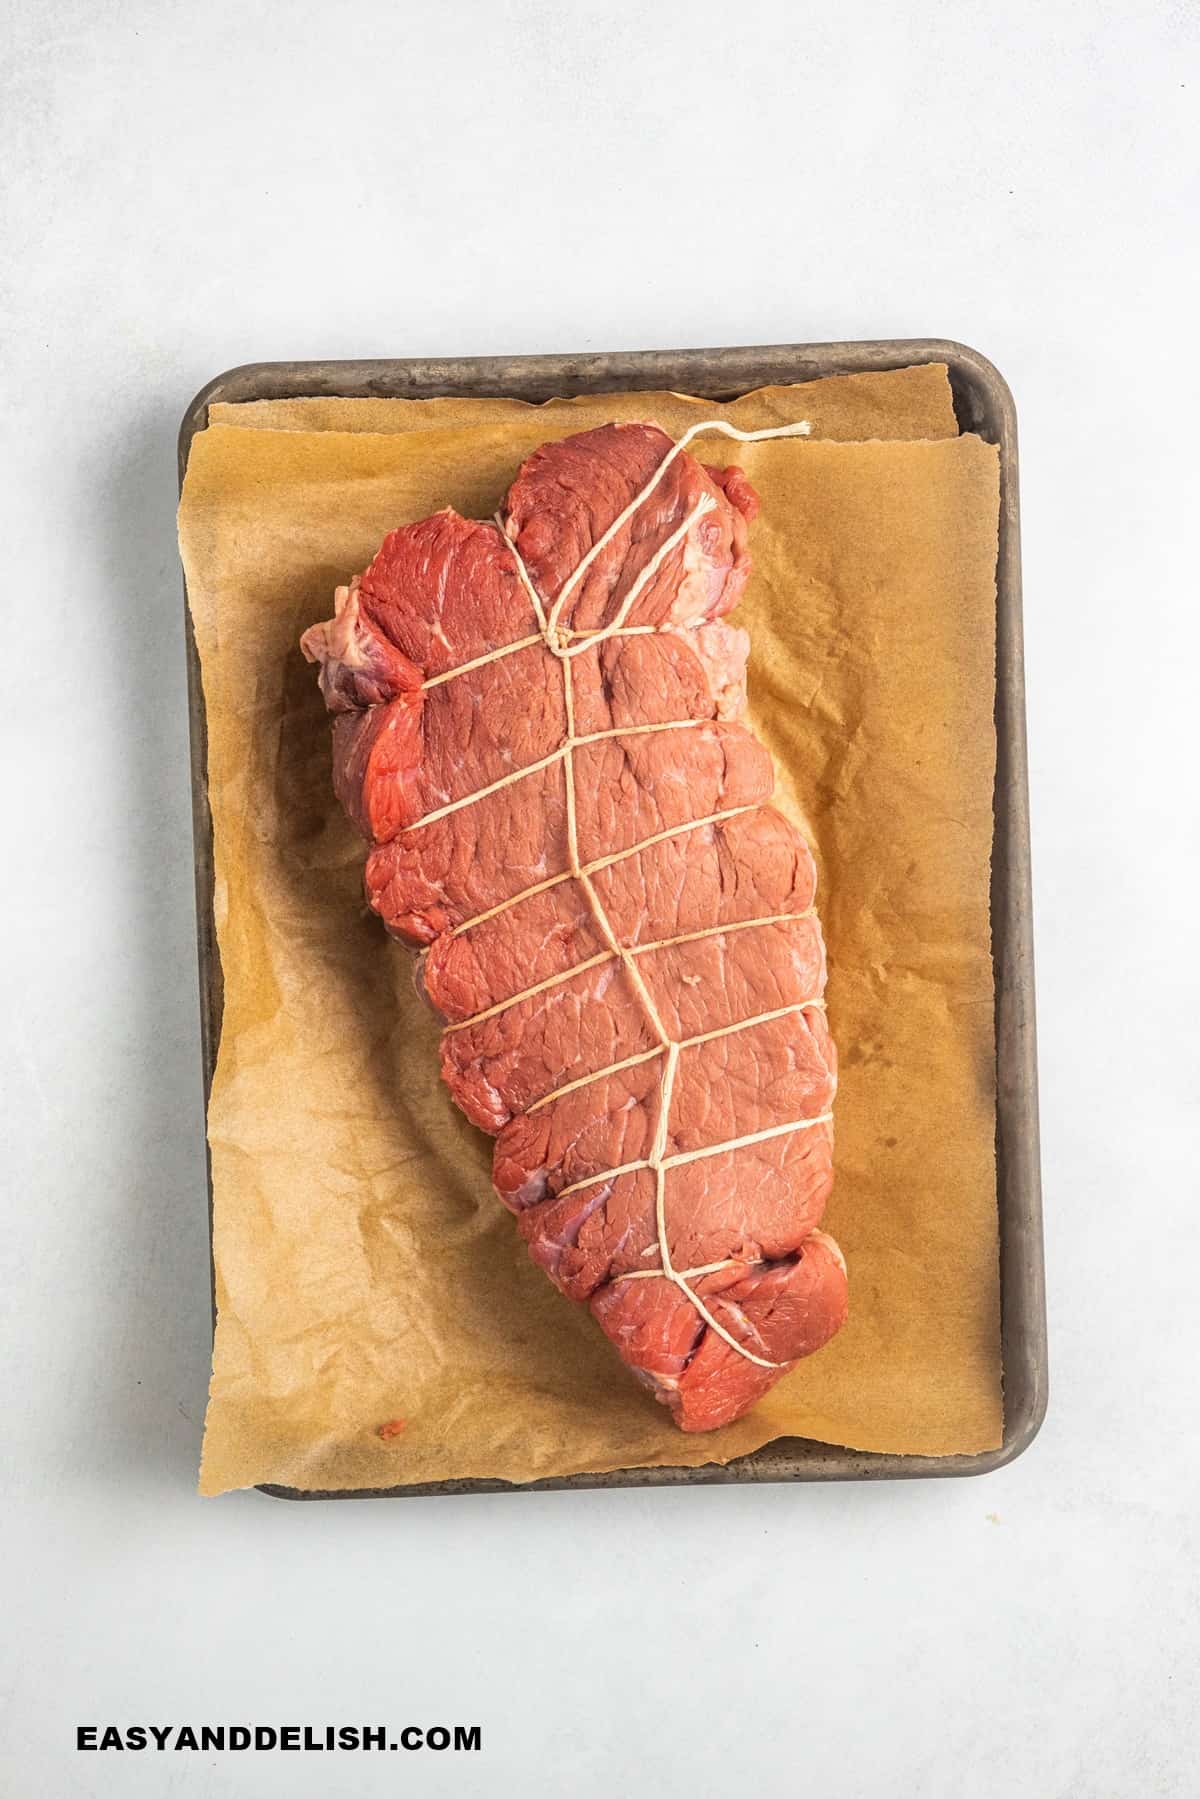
(190, 186)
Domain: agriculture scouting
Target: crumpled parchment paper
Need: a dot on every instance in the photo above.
(366, 1274)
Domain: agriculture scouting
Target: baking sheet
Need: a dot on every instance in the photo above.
(365, 1272)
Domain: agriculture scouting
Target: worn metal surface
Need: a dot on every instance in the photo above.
(982, 404)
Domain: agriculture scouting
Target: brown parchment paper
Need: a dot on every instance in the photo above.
(365, 1271)
(893, 403)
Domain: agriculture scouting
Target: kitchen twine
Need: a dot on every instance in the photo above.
(565, 644)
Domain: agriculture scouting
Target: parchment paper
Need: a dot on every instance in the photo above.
(897, 403)
(366, 1274)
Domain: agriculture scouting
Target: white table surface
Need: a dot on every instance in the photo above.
(190, 186)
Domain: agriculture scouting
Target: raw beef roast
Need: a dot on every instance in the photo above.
(537, 726)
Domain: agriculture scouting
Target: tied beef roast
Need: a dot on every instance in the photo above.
(537, 725)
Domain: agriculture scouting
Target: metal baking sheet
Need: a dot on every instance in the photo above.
(983, 404)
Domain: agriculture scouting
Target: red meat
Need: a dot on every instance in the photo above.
(611, 925)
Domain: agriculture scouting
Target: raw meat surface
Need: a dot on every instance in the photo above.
(629, 921)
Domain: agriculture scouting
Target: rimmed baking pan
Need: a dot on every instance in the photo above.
(982, 404)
